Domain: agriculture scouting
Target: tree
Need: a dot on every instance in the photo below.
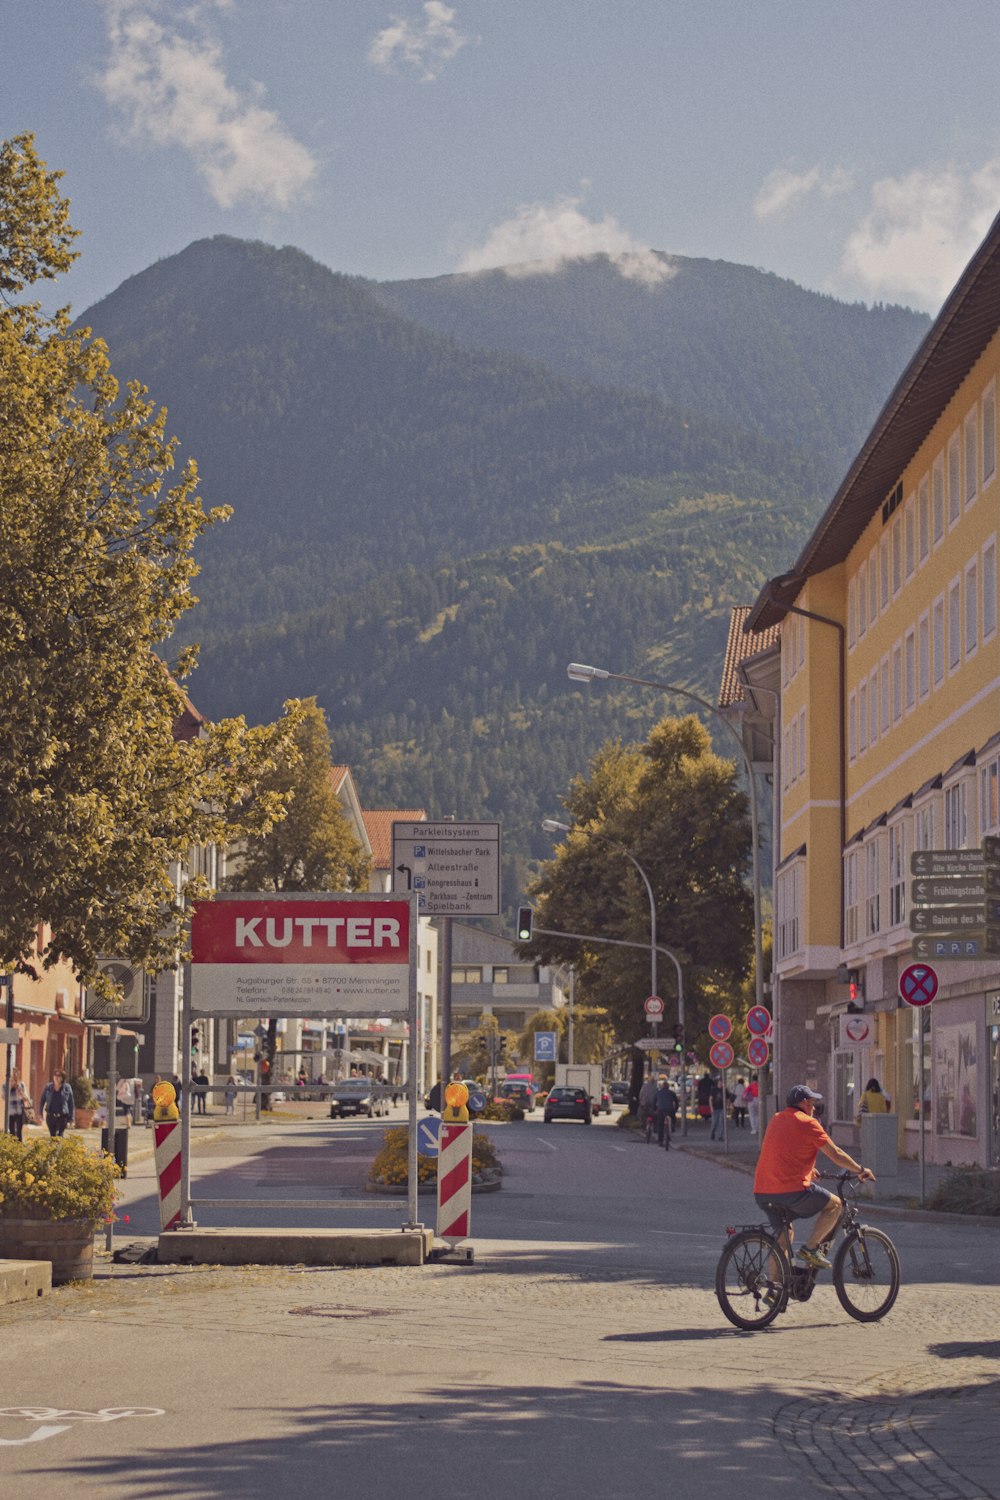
(675, 807)
(97, 796)
(313, 847)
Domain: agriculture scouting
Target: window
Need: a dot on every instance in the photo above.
(501, 976)
(862, 599)
(851, 896)
(852, 727)
(954, 625)
(467, 975)
(802, 641)
(909, 539)
(897, 874)
(918, 1032)
(852, 611)
(873, 707)
(873, 887)
(989, 435)
(897, 684)
(956, 830)
(971, 457)
(883, 571)
(786, 654)
(802, 743)
(924, 519)
(938, 641)
(787, 888)
(884, 696)
(897, 557)
(989, 796)
(924, 655)
(971, 608)
(989, 588)
(862, 718)
(923, 826)
(954, 481)
(873, 586)
(910, 659)
(843, 1086)
(937, 509)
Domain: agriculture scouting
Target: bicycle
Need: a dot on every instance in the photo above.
(755, 1279)
(650, 1125)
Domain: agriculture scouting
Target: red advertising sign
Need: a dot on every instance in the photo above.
(286, 955)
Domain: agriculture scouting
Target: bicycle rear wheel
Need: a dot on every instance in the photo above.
(866, 1274)
(752, 1279)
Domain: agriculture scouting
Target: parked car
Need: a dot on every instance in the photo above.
(618, 1089)
(518, 1093)
(357, 1096)
(567, 1102)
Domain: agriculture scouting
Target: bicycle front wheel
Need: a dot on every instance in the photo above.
(866, 1274)
(752, 1279)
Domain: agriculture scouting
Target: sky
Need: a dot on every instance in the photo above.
(851, 145)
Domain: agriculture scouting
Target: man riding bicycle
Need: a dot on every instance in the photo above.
(784, 1184)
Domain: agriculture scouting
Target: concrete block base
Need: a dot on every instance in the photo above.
(21, 1280)
(295, 1247)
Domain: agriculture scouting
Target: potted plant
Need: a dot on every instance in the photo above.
(85, 1105)
(53, 1194)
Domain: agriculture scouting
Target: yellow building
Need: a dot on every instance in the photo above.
(888, 744)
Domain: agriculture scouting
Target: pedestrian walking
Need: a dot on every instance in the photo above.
(199, 1091)
(873, 1101)
(18, 1104)
(230, 1095)
(751, 1098)
(718, 1101)
(739, 1103)
(57, 1104)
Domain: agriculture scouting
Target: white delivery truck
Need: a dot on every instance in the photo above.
(582, 1075)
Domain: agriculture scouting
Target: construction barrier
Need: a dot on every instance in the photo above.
(454, 1196)
(167, 1153)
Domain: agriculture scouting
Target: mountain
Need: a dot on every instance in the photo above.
(429, 527)
(742, 345)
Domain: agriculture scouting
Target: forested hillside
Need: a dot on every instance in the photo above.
(425, 532)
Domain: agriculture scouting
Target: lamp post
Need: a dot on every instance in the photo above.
(578, 672)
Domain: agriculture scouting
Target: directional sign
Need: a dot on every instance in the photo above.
(649, 1044)
(722, 1054)
(758, 1051)
(918, 984)
(545, 1046)
(653, 1007)
(721, 1028)
(477, 1103)
(954, 890)
(758, 1021)
(453, 868)
(960, 947)
(955, 918)
(950, 862)
(427, 1135)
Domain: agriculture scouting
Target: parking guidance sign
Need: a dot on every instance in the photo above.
(453, 869)
(302, 955)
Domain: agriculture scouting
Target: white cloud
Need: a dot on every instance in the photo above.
(425, 45)
(171, 89)
(781, 188)
(921, 230)
(540, 237)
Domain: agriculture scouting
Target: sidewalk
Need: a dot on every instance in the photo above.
(899, 1194)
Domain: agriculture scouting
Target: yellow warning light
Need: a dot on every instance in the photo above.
(456, 1097)
(164, 1107)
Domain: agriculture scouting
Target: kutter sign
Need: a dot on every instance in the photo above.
(309, 955)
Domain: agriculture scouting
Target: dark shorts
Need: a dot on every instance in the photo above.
(803, 1205)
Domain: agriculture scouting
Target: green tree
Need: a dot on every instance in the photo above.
(313, 847)
(675, 807)
(97, 797)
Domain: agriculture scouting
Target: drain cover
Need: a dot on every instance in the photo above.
(339, 1310)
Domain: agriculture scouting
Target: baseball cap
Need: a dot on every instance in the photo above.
(797, 1094)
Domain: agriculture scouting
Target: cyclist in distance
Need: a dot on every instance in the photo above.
(785, 1180)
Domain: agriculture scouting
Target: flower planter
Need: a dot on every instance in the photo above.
(84, 1118)
(67, 1243)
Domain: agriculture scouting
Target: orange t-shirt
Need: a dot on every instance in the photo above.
(788, 1153)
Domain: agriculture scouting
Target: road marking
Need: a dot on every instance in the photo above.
(686, 1234)
(51, 1428)
(618, 1148)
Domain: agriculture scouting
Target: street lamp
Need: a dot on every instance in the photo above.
(578, 672)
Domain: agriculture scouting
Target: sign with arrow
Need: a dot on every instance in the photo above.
(954, 890)
(453, 868)
(955, 918)
(961, 947)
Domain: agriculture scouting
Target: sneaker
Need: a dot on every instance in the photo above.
(814, 1258)
(772, 1296)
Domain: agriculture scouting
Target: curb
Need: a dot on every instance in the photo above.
(400, 1190)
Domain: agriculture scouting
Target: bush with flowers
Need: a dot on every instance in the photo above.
(389, 1169)
(58, 1178)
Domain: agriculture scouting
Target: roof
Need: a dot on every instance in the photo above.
(969, 319)
(378, 825)
(189, 722)
(739, 648)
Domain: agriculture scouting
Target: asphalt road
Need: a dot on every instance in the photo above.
(581, 1354)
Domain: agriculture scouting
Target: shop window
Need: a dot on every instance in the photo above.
(919, 1026)
(843, 1086)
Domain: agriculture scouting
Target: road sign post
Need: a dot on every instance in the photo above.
(918, 984)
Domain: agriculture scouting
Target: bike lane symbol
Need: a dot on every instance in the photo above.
(55, 1420)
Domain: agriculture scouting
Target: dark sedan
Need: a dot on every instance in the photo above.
(566, 1103)
(357, 1096)
(518, 1093)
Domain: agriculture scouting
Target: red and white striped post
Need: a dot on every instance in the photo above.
(167, 1153)
(454, 1196)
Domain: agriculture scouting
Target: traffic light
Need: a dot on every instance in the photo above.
(678, 1038)
(855, 990)
(501, 1044)
(525, 917)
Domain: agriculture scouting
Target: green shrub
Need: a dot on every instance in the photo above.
(83, 1094)
(391, 1165)
(968, 1190)
(502, 1110)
